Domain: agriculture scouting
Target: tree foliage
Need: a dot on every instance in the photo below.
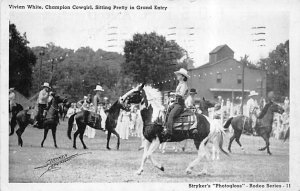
(277, 65)
(21, 61)
(151, 58)
(77, 72)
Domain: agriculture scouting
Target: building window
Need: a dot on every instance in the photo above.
(239, 78)
(219, 77)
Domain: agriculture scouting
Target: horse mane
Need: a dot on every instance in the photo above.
(154, 98)
(264, 110)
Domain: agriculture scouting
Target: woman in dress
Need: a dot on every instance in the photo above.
(123, 125)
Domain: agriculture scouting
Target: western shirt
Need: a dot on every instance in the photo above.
(182, 89)
(43, 97)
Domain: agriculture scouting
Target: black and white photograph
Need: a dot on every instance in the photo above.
(156, 95)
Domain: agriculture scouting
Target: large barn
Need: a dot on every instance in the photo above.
(222, 76)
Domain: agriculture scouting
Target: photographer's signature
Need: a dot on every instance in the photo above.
(53, 164)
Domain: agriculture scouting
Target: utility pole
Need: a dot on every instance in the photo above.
(41, 53)
(243, 87)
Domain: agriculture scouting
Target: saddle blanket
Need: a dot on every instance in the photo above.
(185, 121)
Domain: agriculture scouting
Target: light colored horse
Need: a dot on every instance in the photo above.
(151, 103)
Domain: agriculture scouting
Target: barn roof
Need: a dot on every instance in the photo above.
(218, 48)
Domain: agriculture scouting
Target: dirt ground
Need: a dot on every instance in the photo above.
(101, 165)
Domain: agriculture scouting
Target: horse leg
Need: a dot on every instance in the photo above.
(118, 136)
(231, 140)
(108, 139)
(54, 135)
(13, 124)
(154, 145)
(266, 138)
(19, 133)
(197, 143)
(163, 147)
(237, 139)
(201, 154)
(76, 134)
(144, 158)
(184, 145)
(81, 139)
(45, 135)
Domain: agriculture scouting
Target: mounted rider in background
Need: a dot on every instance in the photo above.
(42, 102)
(252, 107)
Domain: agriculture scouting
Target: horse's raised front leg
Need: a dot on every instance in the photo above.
(144, 158)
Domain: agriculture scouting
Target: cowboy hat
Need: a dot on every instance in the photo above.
(11, 89)
(183, 72)
(46, 84)
(99, 88)
(253, 93)
(193, 91)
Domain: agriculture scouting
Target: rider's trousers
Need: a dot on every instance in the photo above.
(175, 111)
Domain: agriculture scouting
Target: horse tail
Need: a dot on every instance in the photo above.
(228, 122)
(70, 124)
(221, 143)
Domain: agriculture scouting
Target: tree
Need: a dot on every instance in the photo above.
(21, 61)
(151, 58)
(278, 72)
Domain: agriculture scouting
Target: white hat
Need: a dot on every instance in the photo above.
(253, 93)
(11, 89)
(99, 88)
(182, 71)
(84, 97)
(105, 98)
(46, 84)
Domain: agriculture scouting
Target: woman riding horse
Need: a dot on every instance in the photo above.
(178, 106)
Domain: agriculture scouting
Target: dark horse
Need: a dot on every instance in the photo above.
(51, 120)
(152, 131)
(13, 121)
(263, 126)
(84, 118)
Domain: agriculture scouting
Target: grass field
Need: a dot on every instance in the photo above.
(101, 165)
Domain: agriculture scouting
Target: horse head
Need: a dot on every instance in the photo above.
(134, 96)
(276, 108)
(205, 104)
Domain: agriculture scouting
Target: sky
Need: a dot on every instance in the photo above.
(213, 23)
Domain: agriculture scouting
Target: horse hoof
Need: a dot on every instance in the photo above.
(269, 153)
(56, 146)
(139, 172)
(188, 171)
(85, 148)
(203, 173)
(183, 149)
(74, 147)
(107, 148)
(11, 134)
(42, 145)
(162, 168)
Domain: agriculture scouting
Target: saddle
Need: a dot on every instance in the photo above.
(185, 121)
(94, 120)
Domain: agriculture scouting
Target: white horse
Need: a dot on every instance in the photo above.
(151, 103)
